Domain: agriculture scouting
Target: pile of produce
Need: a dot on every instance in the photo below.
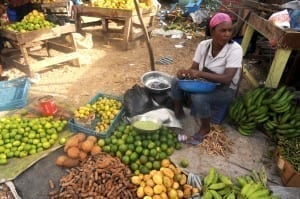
(289, 150)
(35, 20)
(98, 176)
(251, 186)
(217, 142)
(167, 182)
(20, 137)
(117, 4)
(104, 109)
(141, 151)
(77, 148)
(273, 110)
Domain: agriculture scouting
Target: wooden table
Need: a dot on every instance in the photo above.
(287, 41)
(43, 37)
(128, 17)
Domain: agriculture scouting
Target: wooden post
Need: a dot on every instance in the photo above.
(278, 65)
(146, 35)
(247, 38)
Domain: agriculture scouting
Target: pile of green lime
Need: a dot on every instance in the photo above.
(141, 152)
(20, 137)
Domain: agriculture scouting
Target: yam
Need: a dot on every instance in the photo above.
(140, 192)
(165, 163)
(180, 193)
(168, 182)
(183, 180)
(150, 183)
(167, 172)
(158, 189)
(157, 179)
(164, 195)
(60, 160)
(95, 150)
(87, 146)
(148, 190)
(73, 152)
(156, 197)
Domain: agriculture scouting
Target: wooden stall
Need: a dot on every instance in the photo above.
(21, 57)
(286, 41)
(128, 18)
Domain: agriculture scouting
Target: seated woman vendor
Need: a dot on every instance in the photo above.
(218, 59)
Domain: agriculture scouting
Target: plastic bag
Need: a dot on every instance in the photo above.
(137, 101)
(200, 16)
(280, 19)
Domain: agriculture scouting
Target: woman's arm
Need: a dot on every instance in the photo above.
(224, 78)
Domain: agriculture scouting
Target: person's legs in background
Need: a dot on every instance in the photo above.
(23, 10)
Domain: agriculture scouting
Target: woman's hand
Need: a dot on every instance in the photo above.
(182, 74)
(195, 74)
(188, 74)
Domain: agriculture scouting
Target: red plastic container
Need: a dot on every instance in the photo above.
(47, 106)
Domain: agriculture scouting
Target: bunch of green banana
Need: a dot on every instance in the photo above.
(249, 111)
(218, 186)
(238, 113)
(280, 101)
(253, 190)
(271, 109)
(285, 124)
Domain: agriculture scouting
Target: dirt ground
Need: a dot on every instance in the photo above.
(107, 68)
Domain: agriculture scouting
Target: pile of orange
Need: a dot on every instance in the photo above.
(35, 20)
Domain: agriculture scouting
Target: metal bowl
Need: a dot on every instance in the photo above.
(156, 123)
(156, 81)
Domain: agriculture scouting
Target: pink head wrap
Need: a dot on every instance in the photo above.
(219, 18)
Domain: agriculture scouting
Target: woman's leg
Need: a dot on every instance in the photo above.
(177, 96)
(201, 107)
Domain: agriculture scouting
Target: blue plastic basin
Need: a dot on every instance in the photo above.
(197, 86)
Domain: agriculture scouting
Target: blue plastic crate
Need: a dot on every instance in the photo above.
(219, 113)
(74, 127)
(13, 93)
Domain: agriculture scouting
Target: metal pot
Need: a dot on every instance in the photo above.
(144, 118)
(156, 81)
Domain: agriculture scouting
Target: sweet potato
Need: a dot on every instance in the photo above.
(70, 162)
(82, 155)
(73, 152)
(80, 136)
(92, 139)
(60, 160)
(95, 150)
(87, 146)
(71, 142)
